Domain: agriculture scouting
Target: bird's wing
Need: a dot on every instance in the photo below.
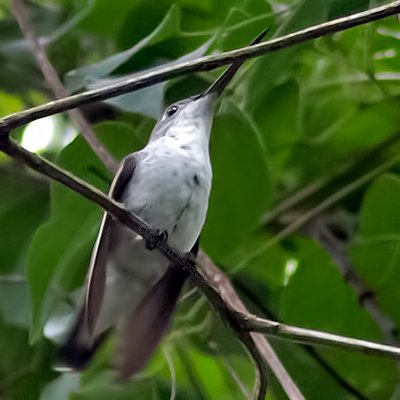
(97, 269)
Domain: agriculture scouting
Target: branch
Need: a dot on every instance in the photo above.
(257, 342)
(201, 64)
(319, 230)
(297, 223)
(298, 197)
(50, 74)
(340, 380)
(219, 293)
(309, 336)
(118, 211)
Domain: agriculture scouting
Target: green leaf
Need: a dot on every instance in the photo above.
(376, 249)
(147, 101)
(272, 68)
(317, 297)
(240, 189)
(168, 28)
(23, 205)
(60, 250)
(24, 370)
(14, 303)
(61, 388)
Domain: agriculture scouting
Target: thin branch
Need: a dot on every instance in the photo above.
(310, 336)
(222, 283)
(298, 197)
(50, 74)
(206, 63)
(171, 367)
(201, 277)
(213, 284)
(12, 278)
(340, 380)
(139, 226)
(303, 219)
(246, 394)
(320, 231)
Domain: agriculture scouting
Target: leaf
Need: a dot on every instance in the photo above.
(317, 297)
(24, 370)
(78, 78)
(240, 189)
(147, 101)
(272, 68)
(23, 205)
(60, 251)
(14, 303)
(61, 388)
(376, 249)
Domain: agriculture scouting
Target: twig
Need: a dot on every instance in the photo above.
(285, 204)
(310, 336)
(319, 230)
(12, 278)
(246, 394)
(201, 64)
(22, 16)
(170, 363)
(318, 209)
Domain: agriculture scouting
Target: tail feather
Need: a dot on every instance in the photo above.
(78, 350)
(147, 325)
(141, 333)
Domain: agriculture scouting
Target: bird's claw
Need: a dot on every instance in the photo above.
(157, 236)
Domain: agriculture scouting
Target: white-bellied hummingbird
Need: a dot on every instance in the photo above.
(132, 288)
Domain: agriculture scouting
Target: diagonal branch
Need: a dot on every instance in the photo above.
(324, 205)
(230, 311)
(21, 14)
(256, 341)
(202, 278)
(161, 74)
(320, 231)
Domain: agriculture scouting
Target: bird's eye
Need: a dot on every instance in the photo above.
(171, 111)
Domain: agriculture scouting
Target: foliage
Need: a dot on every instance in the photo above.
(301, 115)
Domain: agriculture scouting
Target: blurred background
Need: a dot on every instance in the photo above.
(310, 132)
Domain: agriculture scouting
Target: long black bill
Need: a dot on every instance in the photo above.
(221, 83)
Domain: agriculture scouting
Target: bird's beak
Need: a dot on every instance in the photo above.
(222, 82)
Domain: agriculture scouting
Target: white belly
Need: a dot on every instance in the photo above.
(170, 191)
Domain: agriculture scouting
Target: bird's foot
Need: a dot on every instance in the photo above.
(157, 236)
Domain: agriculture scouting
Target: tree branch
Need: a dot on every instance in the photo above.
(320, 231)
(219, 293)
(118, 211)
(339, 380)
(256, 341)
(300, 196)
(309, 336)
(161, 74)
(297, 223)
(22, 16)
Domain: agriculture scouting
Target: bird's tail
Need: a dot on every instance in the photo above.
(78, 349)
(141, 333)
(146, 326)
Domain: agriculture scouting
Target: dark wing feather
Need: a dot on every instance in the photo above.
(97, 270)
(80, 345)
(147, 324)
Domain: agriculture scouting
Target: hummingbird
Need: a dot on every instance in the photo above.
(130, 287)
